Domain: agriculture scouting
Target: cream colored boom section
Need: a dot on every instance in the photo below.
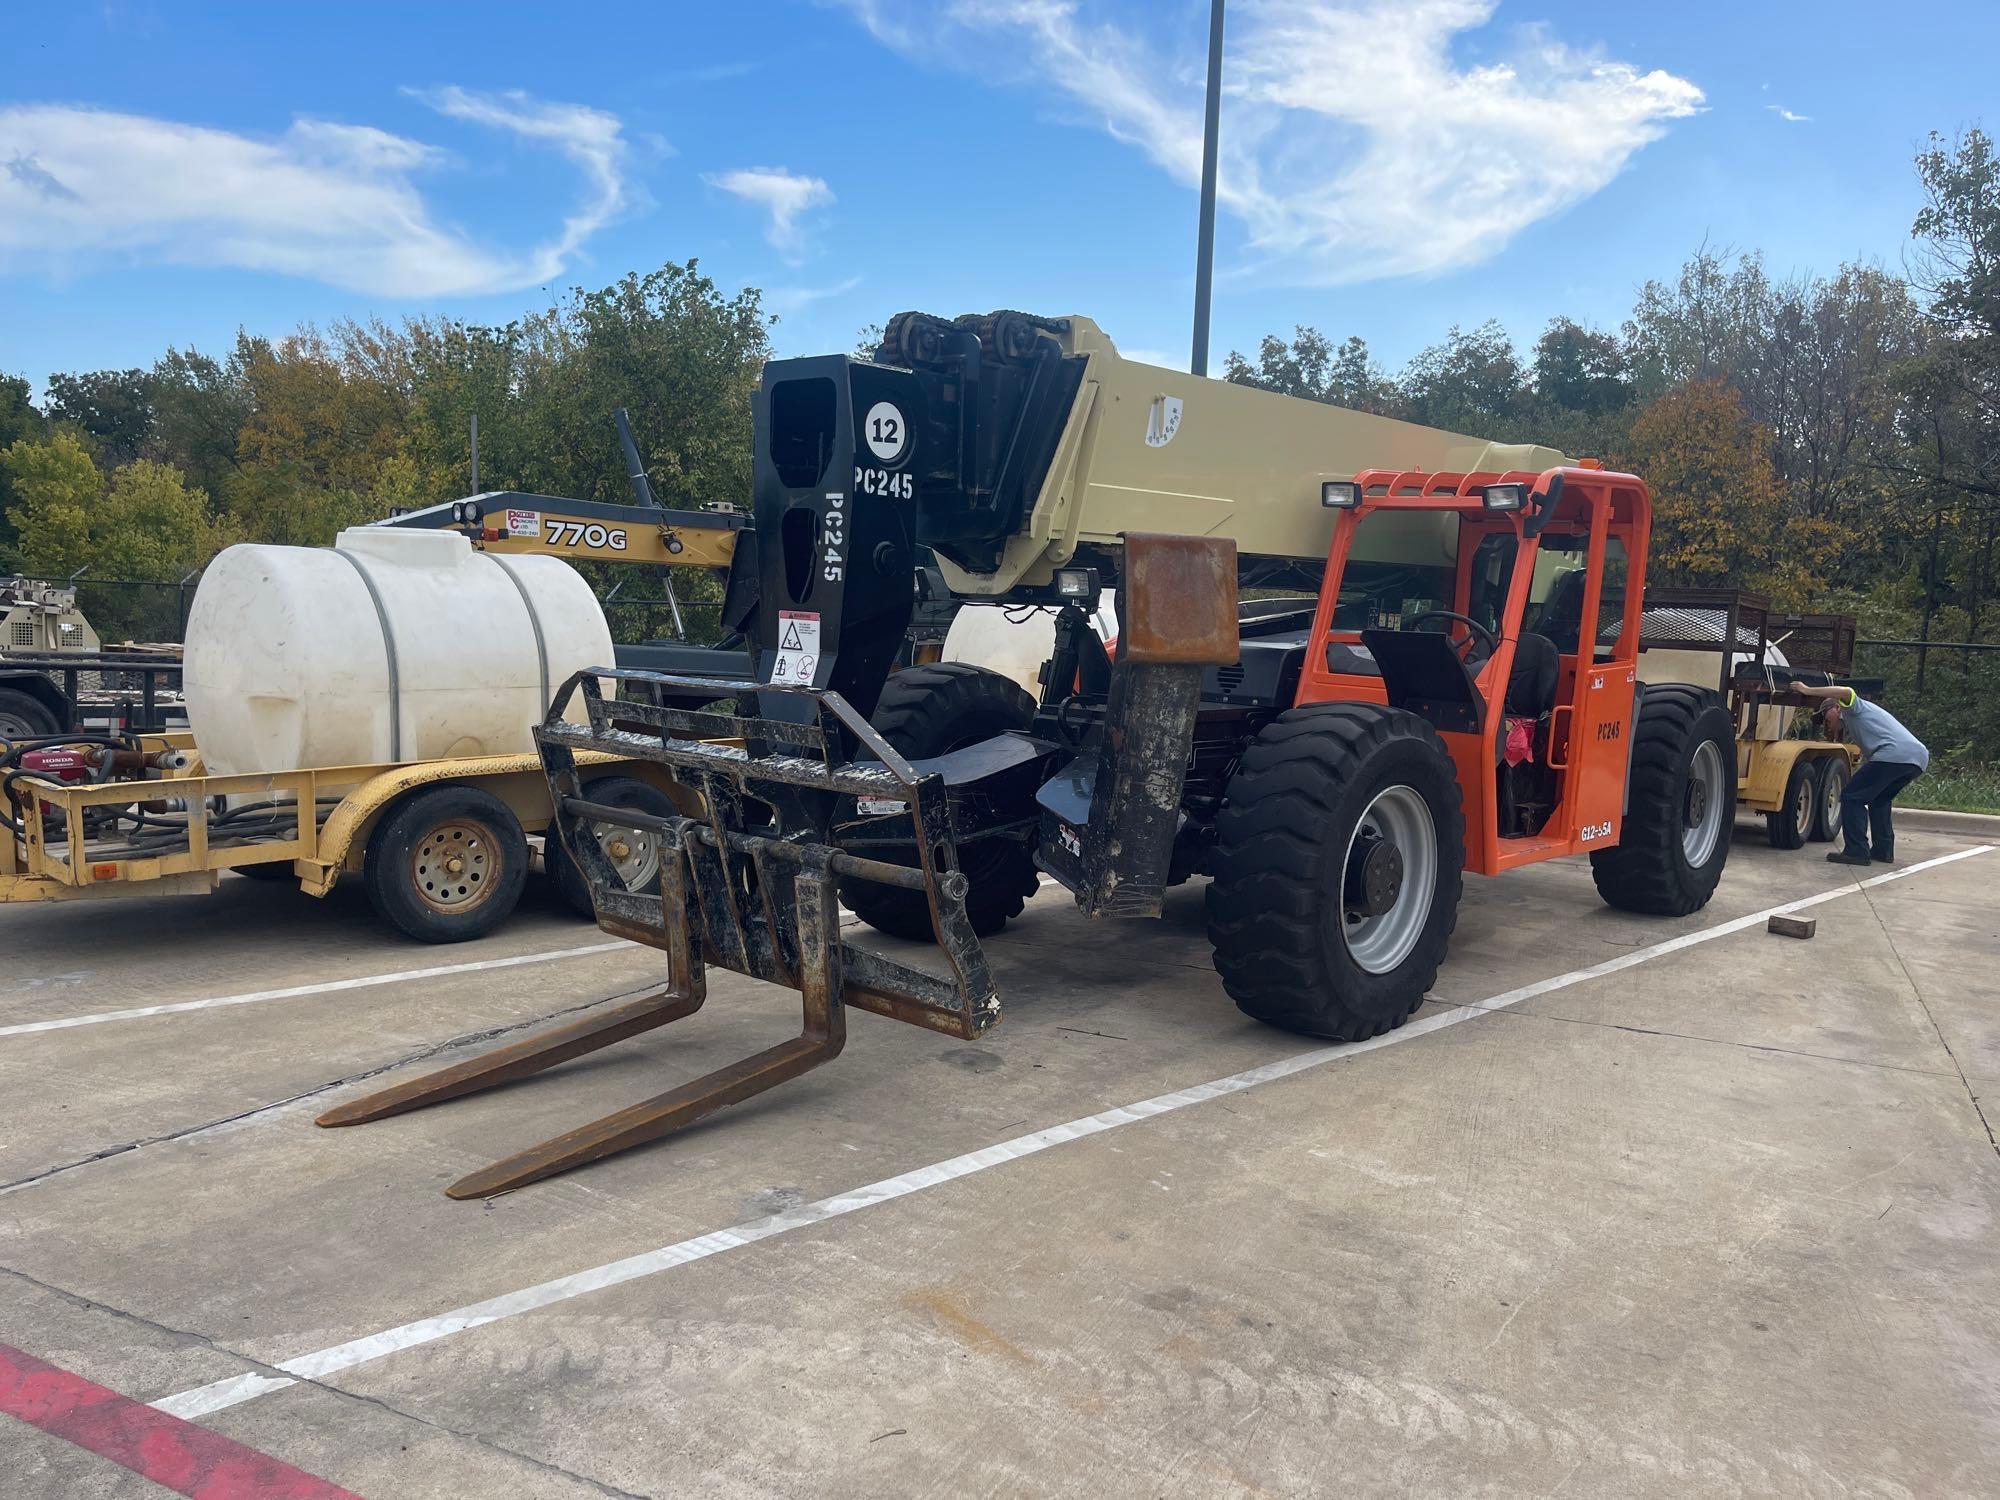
(1147, 449)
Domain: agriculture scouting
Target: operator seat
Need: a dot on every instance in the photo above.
(1531, 685)
(1561, 615)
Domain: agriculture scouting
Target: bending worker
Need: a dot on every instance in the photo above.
(1891, 758)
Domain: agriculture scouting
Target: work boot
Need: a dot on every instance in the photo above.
(1842, 857)
(1883, 855)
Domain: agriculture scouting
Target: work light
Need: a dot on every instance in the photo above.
(1505, 496)
(1076, 583)
(1339, 494)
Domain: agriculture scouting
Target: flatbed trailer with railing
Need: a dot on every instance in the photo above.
(444, 847)
(1793, 781)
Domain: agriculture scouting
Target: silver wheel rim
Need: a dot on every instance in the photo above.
(1701, 823)
(453, 866)
(1802, 815)
(634, 853)
(1835, 785)
(13, 728)
(1400, 819)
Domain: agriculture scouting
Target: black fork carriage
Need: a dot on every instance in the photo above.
(748, 880)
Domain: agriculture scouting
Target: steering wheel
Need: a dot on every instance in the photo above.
(1476, 633)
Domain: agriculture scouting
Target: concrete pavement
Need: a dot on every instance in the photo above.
(1719, 1222)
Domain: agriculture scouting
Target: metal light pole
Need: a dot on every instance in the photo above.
(1204, 259)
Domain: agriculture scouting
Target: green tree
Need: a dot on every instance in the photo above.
(54, 484)
(1472, 382)
(18, 420)
(200, 406)
(1311, 367)
(114, 408)
(1579, 369)
(149, 524)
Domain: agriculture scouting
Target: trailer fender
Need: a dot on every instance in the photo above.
(1766, 765)
(516, 780)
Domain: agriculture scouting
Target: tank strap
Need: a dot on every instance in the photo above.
(389, 650)
(534, 619)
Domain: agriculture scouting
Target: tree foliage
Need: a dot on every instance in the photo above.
(1695, 446)
(288, 440)
(54, 483)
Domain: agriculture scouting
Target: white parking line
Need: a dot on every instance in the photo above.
(237, 1389)
(140, 1013)
(365, 981)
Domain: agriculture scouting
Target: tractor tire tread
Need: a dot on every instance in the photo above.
(1266, 905)
(920, 712)
(1647, 871)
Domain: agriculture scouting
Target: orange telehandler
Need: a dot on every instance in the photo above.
(1355, 658)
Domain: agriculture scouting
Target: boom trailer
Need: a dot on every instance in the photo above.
(1452, 686)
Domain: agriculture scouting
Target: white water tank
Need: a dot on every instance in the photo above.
(393, 645)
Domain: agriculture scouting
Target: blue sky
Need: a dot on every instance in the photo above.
(169, 172)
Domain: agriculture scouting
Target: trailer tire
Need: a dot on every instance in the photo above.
(933, 710)
(1828, 785)
(640, 867)
(1286, 910)
(447, 864)
(1680, 805)
(24, 717)
(271, 872)
(1792, 824)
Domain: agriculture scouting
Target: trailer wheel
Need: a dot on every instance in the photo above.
(634, 852)
(1792, 824)
(25, 718)
(447, 864)
(933, 710)
(1680, 804)
(1834, 774)
(1338, 862)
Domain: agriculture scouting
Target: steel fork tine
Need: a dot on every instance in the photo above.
(821, 1037)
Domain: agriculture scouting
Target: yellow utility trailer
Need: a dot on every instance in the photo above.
(443, 846)
(1733, 640)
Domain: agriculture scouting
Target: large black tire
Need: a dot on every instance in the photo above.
(1834, 774)
(641, 862)
(23, 717)
(933, 710)
(1316, 785)
(1670, 854)
(447, 864)
(1792, 824)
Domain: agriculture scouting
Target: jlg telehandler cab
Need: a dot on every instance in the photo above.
(1355, 657)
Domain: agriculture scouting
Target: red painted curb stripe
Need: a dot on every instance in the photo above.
(180, 1456)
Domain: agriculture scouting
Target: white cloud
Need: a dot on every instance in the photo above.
(787, 300)
(1786, 115)
(1354, 145)
(786, 196)
(325, 201)
(589, 139)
